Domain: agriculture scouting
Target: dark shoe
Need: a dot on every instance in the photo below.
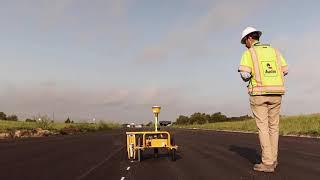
(263, 167)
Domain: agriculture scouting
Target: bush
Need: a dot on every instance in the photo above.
(44, 122)
(103, 126)
(31, 120)
(149, 124)
(68, 121)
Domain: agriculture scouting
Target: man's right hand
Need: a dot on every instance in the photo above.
(245, 76)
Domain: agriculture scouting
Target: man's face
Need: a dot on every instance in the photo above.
(248, 42)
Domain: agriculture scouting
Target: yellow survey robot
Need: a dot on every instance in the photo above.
(137, 142)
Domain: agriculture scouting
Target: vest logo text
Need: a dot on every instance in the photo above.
(269, 69)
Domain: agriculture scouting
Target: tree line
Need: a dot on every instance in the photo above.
(202, 118)
(13, 117)
(5, 117)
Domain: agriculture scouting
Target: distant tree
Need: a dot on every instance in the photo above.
(182, 120)
(31, 120)
(72, 122)
(217, 117)
(202, 118)
(246, 117)
(198, 118)
(240, 118)
(3, 116)
(12, 118)
(68, 121)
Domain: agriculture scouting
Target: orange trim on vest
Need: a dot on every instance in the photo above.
(256, 66)
(279, 64)
(266, 89)
(284, 69)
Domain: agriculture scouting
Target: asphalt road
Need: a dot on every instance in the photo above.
(202, 155)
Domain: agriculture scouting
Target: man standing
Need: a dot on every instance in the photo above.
(264, 68)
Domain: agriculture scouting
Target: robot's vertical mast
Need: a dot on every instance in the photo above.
(156, 111)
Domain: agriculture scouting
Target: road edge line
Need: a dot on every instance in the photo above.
(249, 132)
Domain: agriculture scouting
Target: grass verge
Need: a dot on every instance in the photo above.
(7, 126)
(292, 125)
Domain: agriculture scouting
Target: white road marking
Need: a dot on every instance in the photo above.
(122, 178)
(99, 164)
(128, 168)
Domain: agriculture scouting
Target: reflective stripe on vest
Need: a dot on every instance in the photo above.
(260, 89)
(284, 69)
(245, 69)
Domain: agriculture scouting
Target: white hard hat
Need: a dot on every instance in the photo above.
(247, 31)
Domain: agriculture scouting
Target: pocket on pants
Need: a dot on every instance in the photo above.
(257, 100)
(275, 99)
(251, 99)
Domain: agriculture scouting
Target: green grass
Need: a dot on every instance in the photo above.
(291, 125)
(95, 127)
(6, 126)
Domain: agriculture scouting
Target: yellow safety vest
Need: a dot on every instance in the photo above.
(267, 67)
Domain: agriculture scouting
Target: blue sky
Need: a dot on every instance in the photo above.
(114, 59)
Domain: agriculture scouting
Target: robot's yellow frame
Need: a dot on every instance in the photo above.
(139, 141)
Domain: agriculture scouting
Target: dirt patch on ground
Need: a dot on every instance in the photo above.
(38, 132)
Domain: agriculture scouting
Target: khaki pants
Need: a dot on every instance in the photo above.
(266, 110)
